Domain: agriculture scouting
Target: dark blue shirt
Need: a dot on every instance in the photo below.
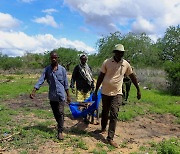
(57, 81)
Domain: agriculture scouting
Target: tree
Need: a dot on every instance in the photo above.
(10, 62)
(140, 48)
(106, 44)
(67, 57)
(170, 46)
(33, 61)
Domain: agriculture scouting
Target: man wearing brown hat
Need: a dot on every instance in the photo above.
(111, 76)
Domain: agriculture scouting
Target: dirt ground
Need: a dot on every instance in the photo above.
(132, 134)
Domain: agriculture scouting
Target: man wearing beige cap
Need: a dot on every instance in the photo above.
(111, 76)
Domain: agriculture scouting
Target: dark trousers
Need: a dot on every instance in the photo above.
(110, 104)
(126, 89)
(58, 111)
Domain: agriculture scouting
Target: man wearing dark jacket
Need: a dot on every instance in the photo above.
(82, 76)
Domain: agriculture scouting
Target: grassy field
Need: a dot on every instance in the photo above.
(152, 101)
(30, 126)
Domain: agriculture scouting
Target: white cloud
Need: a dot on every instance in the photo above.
(47, 20)
(79, 45)
(154, 37)
(18, 43)
(142, 25)
(49, 11)
(7, 22)
(150, 16)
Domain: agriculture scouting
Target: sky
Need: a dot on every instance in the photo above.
(36, 26)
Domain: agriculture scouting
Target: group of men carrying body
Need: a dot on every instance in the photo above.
(110, 77)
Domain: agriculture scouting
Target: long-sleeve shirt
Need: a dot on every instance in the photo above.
(57, 81)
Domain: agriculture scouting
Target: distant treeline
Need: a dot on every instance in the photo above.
(141, 51)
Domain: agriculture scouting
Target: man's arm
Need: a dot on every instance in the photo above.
(66, 86)
(38, 84)
(99, 81)
(92, 86)
(134, 81)
(73, 79)
(68, 96)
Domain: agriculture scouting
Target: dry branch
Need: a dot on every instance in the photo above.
(9, 137)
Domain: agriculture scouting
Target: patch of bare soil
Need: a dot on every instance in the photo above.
(23, 101)
(129, 135)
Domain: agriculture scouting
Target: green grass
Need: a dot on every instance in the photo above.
(152, 101)
(170, 146)
(13, 120)
(6, 116)
(35, 131)
(32, 133)
(30, 137)
(43, 113)
(130, 111)
(18, 85)
(100, 145)
(75, 142)
(102, 151)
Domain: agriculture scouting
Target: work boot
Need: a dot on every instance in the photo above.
(112, 143)
(60, 136)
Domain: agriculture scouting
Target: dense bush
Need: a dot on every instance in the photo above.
(173, 75)
(10, 62)
(170, 53)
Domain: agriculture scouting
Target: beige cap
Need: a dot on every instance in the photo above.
(119, 47)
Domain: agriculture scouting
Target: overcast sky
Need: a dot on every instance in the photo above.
(43, 25)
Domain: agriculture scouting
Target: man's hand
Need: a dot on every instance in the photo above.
(138, 95)
(69, 99)
(32, 95)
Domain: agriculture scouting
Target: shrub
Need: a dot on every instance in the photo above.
(173, 76)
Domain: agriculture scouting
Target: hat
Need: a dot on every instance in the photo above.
(118, 47)
(82, 54)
